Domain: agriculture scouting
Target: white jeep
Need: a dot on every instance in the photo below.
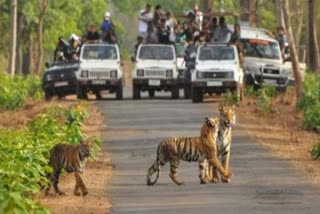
(155, 70)
(263, 63)
(217, 70)
(100, 69)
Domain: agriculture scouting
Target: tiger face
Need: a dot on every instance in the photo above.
(212, 122)
(85, 148)
(227, 115)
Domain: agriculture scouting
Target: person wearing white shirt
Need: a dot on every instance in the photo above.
(172, 23)
(145, 17)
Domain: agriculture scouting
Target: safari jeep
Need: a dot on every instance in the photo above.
(217, 70)
(263, 63)
(100, 69)
(155, 70)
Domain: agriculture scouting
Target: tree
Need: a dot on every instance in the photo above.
(13, 40)
(249, 10)
(313, 46)
(293, 51)
(43, 6)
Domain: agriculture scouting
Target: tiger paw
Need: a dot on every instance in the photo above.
(204, 181)
(225, 180)
(228, 175)
(214, 180)
(77, 193)
(61, 193)
(85, 192)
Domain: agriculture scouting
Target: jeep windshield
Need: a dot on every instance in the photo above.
(156, 53)
(261, 48)
(216, 53)
(99, 52)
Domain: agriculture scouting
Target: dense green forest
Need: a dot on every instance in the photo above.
(41, 22)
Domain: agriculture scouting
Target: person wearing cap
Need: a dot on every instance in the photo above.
(107, 26)
(144, 19)
(163, 32)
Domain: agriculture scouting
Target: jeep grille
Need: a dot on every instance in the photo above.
(271, 71)
(218, 75)
(154, 73)
(99, 74)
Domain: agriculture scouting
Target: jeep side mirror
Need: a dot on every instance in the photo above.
(47, 65)
(133, 59)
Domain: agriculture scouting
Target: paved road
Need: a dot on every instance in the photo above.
(261, 183)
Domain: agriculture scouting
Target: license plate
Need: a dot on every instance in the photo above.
(214, 83)
(270, 81)
(154, 82)
(60, 84)
(98, 82)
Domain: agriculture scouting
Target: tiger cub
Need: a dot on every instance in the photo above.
(71, 158)
(200, 149)
(227, 120)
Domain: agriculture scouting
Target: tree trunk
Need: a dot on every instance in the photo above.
(43, 5)
(20, 44)
(293, 51)
(13, 40)
(207, 5)
(249, 12)
(30, 56)
(279, 13)
(313, 48)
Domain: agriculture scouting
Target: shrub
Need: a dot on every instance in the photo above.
(15, 90)
(250, 91)
(25, 155)
(315, 152)
(310, 105)
(230, 97)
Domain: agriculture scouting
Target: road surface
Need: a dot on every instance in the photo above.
(132, 131)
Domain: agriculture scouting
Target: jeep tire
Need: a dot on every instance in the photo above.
(119, 92)
(47, 95)
(187, 91)
(197, 96)
(135, 92)
(81, 92)
(175, 92)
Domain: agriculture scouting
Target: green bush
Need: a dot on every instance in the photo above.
(250, 91)
(315, 152)
(15, 90)
(310, 105)
(230, 97)
(25, 155)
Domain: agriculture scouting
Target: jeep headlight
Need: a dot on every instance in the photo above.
(84, 73)
(113, 73)
(229, 75)
(169, 73)
(253, 69)
(140, 73)
(200, 75)
(48, 77)
(286, 72)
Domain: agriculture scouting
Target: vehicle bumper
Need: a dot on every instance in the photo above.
(100, 84)
(162, 83)
(216, 86)
(262, 80)
(60, 87)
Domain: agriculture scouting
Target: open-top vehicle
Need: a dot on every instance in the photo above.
(217, 70)
(100, 69)
(155, 70)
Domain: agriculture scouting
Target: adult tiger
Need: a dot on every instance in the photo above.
(201, 149)
(71, 158)
(227, 119)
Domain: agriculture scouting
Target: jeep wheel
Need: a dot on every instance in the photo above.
(81, 93)
(175, 92)
(119, 92)
(197, 96)
(98, 95)
(187, 91)
(47, 95)
(135, 92)
(151, 93)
